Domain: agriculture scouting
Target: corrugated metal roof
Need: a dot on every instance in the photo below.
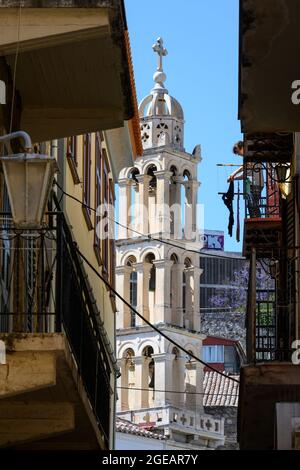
(127, 427)
(219, 390)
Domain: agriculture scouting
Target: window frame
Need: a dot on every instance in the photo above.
(213, 357)
(72, 157)
(86, 186)
(98, 195)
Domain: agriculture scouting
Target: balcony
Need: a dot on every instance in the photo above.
(173, 420)
(59, 41)
(266, 157)
(57, 372)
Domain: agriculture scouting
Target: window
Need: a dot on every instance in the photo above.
(72, 158)
(106, 201)
(183, 292)
(213, 354)
(98, 199)
(87, 178)
(112, 247)
(133, 295)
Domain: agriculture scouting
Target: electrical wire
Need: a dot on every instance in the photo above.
(161, 333)
(154, 390)
(149, 237)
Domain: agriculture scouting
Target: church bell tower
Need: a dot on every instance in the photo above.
(160, 385)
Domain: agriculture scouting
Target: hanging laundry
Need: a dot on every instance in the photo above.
(238, 232)
(228, 201)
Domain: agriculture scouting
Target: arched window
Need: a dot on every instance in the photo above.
(175, 203)
(133, 197)
(175, 397)
(185, 292)
(148, 377)
(127, 380)
(174, 286)
(150, 171)
(184, 198)
(190, 382)
(130, 320)
(133, 296)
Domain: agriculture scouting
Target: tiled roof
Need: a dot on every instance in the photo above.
(219, 390)
(127, 427)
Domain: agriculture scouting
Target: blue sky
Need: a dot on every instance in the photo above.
(202, 73)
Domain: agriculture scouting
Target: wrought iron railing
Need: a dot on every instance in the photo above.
(261, 191)
(266, 330)
(44, 289)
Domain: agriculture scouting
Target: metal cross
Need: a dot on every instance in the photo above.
(161, 51)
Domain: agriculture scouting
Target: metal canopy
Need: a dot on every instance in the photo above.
(72, 71)
(269, 33)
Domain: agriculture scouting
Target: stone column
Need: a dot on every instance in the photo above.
(169, 361)
(188, 320)
(124, 207)
(121, 392)
(177, 273)
(145, 381)
(163, 376)
(143, 203)
(138, 362)
(162, 291)
(122, 285)
(181, 380)
(196, 298)
(163, 202)
(134, 220)
(143, 273)
(199, 387)
(175, 205)
(191, 189)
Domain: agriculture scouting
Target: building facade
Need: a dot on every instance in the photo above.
(269, 115)
(160, 386)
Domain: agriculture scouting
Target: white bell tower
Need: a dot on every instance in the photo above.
(161, 386)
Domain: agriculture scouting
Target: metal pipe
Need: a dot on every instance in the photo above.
(14, 135)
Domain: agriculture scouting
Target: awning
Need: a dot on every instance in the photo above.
(269, 64)
(72, 73)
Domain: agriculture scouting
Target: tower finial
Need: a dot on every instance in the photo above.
(159, 76)
(161, 51)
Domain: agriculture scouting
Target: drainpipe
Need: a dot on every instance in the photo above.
(251, 310)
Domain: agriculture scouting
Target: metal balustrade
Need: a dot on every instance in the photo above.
(44, 289)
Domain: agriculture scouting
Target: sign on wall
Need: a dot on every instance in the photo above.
(213, 240)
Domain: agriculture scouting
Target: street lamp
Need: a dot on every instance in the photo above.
(282, 171)
(29, 177)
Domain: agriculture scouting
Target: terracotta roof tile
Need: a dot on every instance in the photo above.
(127, 427)
(219, 390)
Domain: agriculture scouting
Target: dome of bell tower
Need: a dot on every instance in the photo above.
(161, 115)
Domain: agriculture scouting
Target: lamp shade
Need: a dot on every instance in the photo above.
(28, 178)
(283, 172)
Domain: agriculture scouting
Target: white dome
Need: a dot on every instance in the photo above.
(161, 115)
(160, 104)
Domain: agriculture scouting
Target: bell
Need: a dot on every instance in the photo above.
(151, 371)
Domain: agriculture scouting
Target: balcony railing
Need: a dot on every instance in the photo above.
(184, 420)
(44, 289)
(261, 191)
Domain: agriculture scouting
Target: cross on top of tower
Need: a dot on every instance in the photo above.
(161, 51)
(159, 76)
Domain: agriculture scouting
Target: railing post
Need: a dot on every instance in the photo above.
(251, 310)
(59, 274)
